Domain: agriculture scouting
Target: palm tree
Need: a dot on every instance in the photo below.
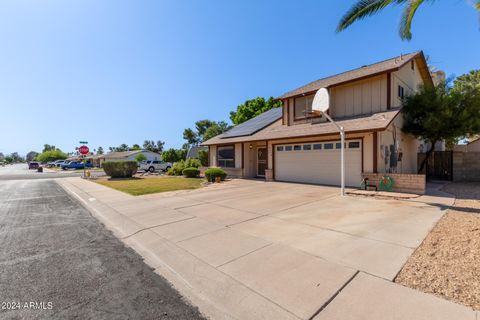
(365, 8)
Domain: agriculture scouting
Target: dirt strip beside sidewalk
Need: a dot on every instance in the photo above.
(447, 264)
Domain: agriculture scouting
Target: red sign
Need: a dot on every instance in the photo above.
(83, 150)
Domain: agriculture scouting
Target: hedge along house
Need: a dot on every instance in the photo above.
(293, 144)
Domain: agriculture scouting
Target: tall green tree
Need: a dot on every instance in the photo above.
(47, 147)
(100, 150)
(135, 147)
(438, 113)
(174, 155)
(120, 148)
(191, 136)
(51, 155)
(252, 108)
(123, 147)
(153, 146)
(216, 129)
(204, 130)
(467, 82)
(365, 8)
(15, 157)
(31, 156)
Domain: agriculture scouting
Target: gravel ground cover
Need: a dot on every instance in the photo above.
(447, 264)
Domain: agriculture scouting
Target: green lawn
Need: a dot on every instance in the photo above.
(141, 186)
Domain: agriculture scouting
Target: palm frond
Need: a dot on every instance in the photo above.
(407, 18)
(477, 4)
(363, 9)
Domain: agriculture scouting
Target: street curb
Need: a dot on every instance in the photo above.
(121, 226)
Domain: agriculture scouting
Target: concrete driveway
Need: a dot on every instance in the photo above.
(359, 233)
(254, 250)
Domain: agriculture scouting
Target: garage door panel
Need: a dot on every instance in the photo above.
(319, 166)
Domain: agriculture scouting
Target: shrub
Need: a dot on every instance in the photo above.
(212, 173)
(203, 157)
(192, 163)
(174, 155)
(120, 169)
(191, 172)
(177, 168)
(140, 157)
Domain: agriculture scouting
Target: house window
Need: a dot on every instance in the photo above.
(317, 146)
(297, 147)
(401, 92)
(338, 145)
(307, 147)
(226, 156)
(303, 106)
(288, 148)
(328, 146)
(354, 145)
(279, 148)
(413, 65)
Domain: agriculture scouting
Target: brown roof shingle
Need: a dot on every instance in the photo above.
(121, 154)
(359, 73)
(375, 122)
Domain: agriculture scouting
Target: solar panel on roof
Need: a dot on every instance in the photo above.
(253, 125)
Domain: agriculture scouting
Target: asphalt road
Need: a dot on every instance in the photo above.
(58, 262)
(20, 172)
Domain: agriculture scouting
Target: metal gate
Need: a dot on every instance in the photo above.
(439, 166)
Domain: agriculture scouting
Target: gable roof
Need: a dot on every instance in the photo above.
(123, 154)
(474, 141)
(371, 70)
(193, 151)
(255, 124)
(375, 122)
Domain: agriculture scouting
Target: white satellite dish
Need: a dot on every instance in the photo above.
(321, 101)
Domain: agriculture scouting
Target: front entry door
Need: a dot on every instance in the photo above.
(261, 161)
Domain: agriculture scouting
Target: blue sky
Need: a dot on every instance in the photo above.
(117, 71)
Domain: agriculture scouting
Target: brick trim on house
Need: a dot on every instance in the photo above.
(408, 183)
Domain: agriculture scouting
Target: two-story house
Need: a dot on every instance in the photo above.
(294, 144)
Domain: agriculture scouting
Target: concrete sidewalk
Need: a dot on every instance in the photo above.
(217, 256)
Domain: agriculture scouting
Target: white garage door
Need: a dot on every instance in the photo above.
(319, 162)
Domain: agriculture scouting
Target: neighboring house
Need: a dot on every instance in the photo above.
(193, 152)
(294, 144)
(473, 146)
(123, 156)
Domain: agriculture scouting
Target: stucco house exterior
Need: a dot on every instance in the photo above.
(472, 146)
(122, 156)
(294, 144)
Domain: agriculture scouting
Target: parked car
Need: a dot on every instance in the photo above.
(33, 165)
(76, 165)
(59, 163)
(154, 165)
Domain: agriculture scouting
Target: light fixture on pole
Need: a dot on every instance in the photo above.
(320, 104)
